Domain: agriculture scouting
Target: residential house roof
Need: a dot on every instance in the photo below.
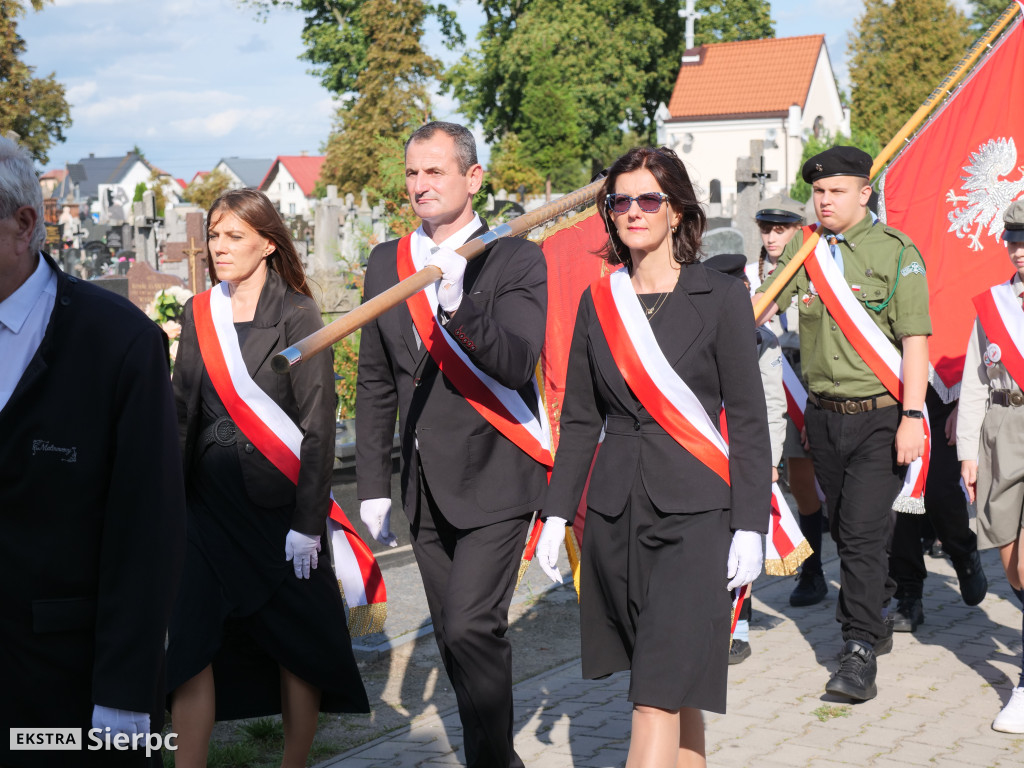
(89, 172)
(750, 78)
(58, 173)
(305, 169)
(250, 170)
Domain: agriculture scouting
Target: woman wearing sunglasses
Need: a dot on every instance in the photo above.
(674, 517)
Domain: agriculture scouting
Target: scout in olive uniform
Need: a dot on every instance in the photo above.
(861, 439)
(990, 444)
(779, 219)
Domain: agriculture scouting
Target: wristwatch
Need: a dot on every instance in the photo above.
(913, 414)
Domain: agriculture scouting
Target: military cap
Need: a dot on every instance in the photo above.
(727, 263)
(780, 209)
(1013, 223)
(837, 161)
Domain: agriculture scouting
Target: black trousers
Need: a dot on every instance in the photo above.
(469, 576)
(855, 462)
(945, 508)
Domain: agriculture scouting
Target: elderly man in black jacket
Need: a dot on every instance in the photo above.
(91, 498)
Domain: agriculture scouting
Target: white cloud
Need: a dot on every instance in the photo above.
(81, 92)
(220, 124)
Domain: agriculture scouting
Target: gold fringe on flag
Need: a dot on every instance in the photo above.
(523, 565)
(566, 223)
(365, 619)
(572, 549)
(787, 566)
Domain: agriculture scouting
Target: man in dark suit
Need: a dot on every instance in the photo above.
(467, 489)
(92, 504)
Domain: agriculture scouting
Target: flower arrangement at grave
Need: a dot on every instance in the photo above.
(167, 309)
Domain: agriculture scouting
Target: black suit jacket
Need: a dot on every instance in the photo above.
(712, 348)
(475, 474)
(93, 520)
(306, 394)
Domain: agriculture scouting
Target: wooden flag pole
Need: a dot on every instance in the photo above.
(944, 88)
(396, 294)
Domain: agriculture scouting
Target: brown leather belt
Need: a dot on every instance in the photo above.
(1008, 397)
(852, 406)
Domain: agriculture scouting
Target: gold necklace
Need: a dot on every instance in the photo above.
(658, 304)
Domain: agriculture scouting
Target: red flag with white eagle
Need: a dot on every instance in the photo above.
(948, 189)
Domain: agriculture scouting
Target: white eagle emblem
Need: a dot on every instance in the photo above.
(987, 196)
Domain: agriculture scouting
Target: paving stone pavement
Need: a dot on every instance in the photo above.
(939, 690)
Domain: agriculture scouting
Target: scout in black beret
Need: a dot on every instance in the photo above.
(837, 161)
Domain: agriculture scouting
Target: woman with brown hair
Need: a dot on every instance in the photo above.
(259, 625)
(674, 517)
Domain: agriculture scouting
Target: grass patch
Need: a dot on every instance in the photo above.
(264, 729)
(826, 712)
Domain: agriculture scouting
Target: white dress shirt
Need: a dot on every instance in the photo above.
(24, 316)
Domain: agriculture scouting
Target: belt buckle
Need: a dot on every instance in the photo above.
(224, 431)
(1017, 398)
(852, 407)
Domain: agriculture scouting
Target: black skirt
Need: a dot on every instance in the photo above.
(653, 600)
(241, 608)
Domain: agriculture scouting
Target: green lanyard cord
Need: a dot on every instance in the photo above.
(884, 304)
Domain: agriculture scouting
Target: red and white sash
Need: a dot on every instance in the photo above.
(677, 410)
(1001, 316)
(651, 377)
(875, 349)
(501, 406)
(796, 395)
(278, 438)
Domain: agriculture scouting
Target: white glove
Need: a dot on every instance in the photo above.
(745, 557)
(120, 720)
(548, 546)
(453, 269)
(302, 551)
(376, 516)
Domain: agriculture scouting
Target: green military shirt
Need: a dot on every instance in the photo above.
(886, 272)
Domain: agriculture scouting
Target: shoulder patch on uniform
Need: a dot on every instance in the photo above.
(913, 268)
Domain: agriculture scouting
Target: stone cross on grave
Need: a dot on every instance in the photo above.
(196, 276)
(751, 178)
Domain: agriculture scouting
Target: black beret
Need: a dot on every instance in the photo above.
(727, 263)
(837, 161)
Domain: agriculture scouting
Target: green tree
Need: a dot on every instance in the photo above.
(390, 95)
(601, 65)
(587, 51)
(35, 108)
(157, 182)
(203, 191)
(725, 22)
(801, 190)
(900, 51)
(338, 34)
(985, 12)
(509, 167)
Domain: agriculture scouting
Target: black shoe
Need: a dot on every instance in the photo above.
(973, 582)
(810, 590)
(855, 678)
(935, 550)
(739, 651)
(909, 615)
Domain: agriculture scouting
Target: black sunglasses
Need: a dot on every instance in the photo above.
(649, 202)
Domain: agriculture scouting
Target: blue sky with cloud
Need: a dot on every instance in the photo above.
(192, 81)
